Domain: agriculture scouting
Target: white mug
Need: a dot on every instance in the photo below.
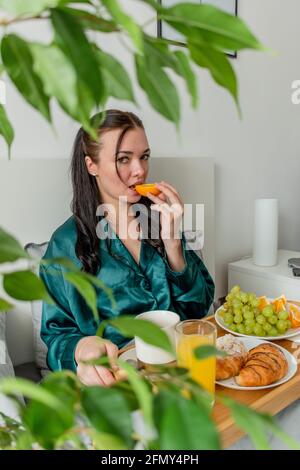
(167, 321)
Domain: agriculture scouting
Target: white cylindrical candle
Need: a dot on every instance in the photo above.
(265, 244)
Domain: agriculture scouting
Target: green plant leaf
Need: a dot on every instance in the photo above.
(249, 421)
(2, 69)
(256, 424)
(186, 71)
(10, 248)
(4, 305)
(25, 7)
(128, 394)
(24, 441)
(25, 285)
(45, 424)
(183, 424)
(68, 264)
(65, 2)
(147, 331)
(13, 386)
(18, 62)
(86, 104)
(71, 39)
(60, 80)
(85, 289)
(158, 49)
(12, 423)
(126, 22)
(108, 412)
(280, 433)
(142, 391)
(208, 350)
(160, 90)
(5, 439)
(100, 284)
(57, 74)
(116, 77)
(218, 65)
(210, 26)
(92, 22)
(154, 4)
(6, 129)
(106, 441)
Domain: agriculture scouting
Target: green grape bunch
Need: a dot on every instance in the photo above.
(243, 313)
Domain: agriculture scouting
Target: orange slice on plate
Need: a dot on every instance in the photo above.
(263, 302)
(279, 303)
(294, 317)
(143, 189)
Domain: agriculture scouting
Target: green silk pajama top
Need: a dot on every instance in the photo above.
(151, 285)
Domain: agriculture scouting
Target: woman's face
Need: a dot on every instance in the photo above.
(132, 164)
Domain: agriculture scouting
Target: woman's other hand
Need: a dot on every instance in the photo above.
(93, 347)
(170, 206)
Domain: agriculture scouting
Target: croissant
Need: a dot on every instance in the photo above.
(265, 365)
(229, 366)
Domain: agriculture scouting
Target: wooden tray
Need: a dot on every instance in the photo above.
(270, 400)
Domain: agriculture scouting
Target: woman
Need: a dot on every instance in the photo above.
(144, 273)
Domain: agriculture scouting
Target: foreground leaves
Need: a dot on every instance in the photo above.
(12, 386)
(183, 424)
(209, 26)
(70, 70)
(26, 7)
(141, 390)
(257, 425)
(147, 331)
(25, 285)
(86, 290)
(70, 37)
(109, 413)
(4, 305)
(46, 424)
(218, 65)
(126, 23)
(18, 63)
(116, 77)
(10, 248)
(57, 75)
(6, 129)
(208, 350)
(160, 90)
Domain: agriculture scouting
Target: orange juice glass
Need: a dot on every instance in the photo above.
(190, 334)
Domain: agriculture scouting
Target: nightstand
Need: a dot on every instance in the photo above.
(272, 281)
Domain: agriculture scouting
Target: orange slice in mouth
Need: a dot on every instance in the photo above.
(143, 189)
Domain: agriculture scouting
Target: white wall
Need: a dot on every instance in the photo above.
(255, 157)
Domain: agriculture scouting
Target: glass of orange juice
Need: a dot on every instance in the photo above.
(190, 334)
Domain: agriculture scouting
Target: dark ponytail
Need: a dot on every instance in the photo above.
(86, 197)
(84, 205)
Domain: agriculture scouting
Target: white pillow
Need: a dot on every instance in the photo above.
(7, 406)
(40, 349)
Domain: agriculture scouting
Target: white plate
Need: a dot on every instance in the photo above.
(288, 334)
(252, 343)
(129, 354)
(230, 383)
